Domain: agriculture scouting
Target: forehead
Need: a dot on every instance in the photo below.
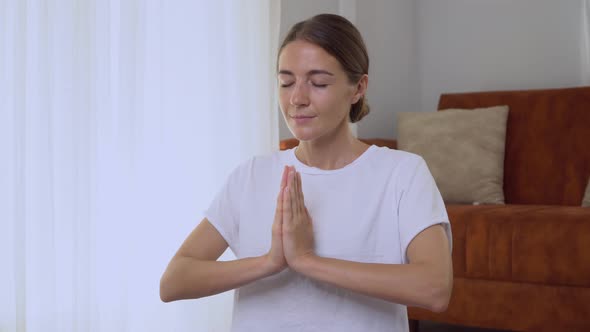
(302, 56)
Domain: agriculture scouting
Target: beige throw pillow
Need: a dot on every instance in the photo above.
(464, 150)
(586, 199)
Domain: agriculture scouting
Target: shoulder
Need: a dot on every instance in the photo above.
(401, 161)
(402, 168)
(261, 163)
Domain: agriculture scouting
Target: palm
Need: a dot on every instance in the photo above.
(297, 227)
(276, 255)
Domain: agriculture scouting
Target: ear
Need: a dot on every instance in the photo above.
(360, 88)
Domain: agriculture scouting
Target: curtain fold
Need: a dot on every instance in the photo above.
(119, 120)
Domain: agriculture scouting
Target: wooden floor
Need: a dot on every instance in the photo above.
(426, 326)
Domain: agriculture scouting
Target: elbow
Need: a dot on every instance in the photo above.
(441, 296)
(439, 305)
(165, 297)
(170, 285)
(175, 285)
(165, 290)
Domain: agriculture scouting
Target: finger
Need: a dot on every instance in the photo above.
(279, 208)
(300, 186)
(281, 191)
(287, 203)
(293, 195)
(295, 205)
(300, 203)
(284, 177)
(279, 199)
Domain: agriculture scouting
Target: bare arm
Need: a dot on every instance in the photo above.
(425, 282)
(194, 271)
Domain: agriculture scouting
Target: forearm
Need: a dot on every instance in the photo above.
(189, 278)
(408, 284)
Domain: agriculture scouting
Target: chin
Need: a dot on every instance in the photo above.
(304, 134)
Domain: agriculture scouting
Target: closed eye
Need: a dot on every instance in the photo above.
(319, 85)
(286, 85)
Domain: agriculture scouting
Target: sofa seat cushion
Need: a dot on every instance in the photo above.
(513, 306)
(522, 243)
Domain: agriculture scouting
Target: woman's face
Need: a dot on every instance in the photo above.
(315, 94)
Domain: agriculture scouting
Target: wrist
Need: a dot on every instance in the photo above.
(304, 263)
(269, 266)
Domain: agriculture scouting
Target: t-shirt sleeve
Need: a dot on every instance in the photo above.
(420, 206)
(223, 212)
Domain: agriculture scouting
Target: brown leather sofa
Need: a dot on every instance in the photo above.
(525, 265)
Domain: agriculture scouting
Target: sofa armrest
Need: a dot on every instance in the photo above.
(290, 143)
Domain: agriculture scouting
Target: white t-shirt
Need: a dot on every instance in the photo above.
(367, 211)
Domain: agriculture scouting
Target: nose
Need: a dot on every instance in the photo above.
(299, 95)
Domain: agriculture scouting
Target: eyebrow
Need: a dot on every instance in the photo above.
(309, 73)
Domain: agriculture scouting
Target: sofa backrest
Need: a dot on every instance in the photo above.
(547, 153)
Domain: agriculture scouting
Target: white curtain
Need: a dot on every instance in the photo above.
(119, 120)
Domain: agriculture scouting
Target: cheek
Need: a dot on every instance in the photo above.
(283, 101)
(334, 103)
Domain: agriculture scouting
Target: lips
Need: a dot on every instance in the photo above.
(303, 119)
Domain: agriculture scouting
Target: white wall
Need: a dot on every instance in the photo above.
(477, 45)
(389, 31)
(421, 48)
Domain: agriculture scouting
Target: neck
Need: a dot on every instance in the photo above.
(332, 151)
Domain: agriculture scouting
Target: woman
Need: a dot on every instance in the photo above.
(334, 235)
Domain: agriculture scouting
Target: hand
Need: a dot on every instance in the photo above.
(298, 241)
(275, 257)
